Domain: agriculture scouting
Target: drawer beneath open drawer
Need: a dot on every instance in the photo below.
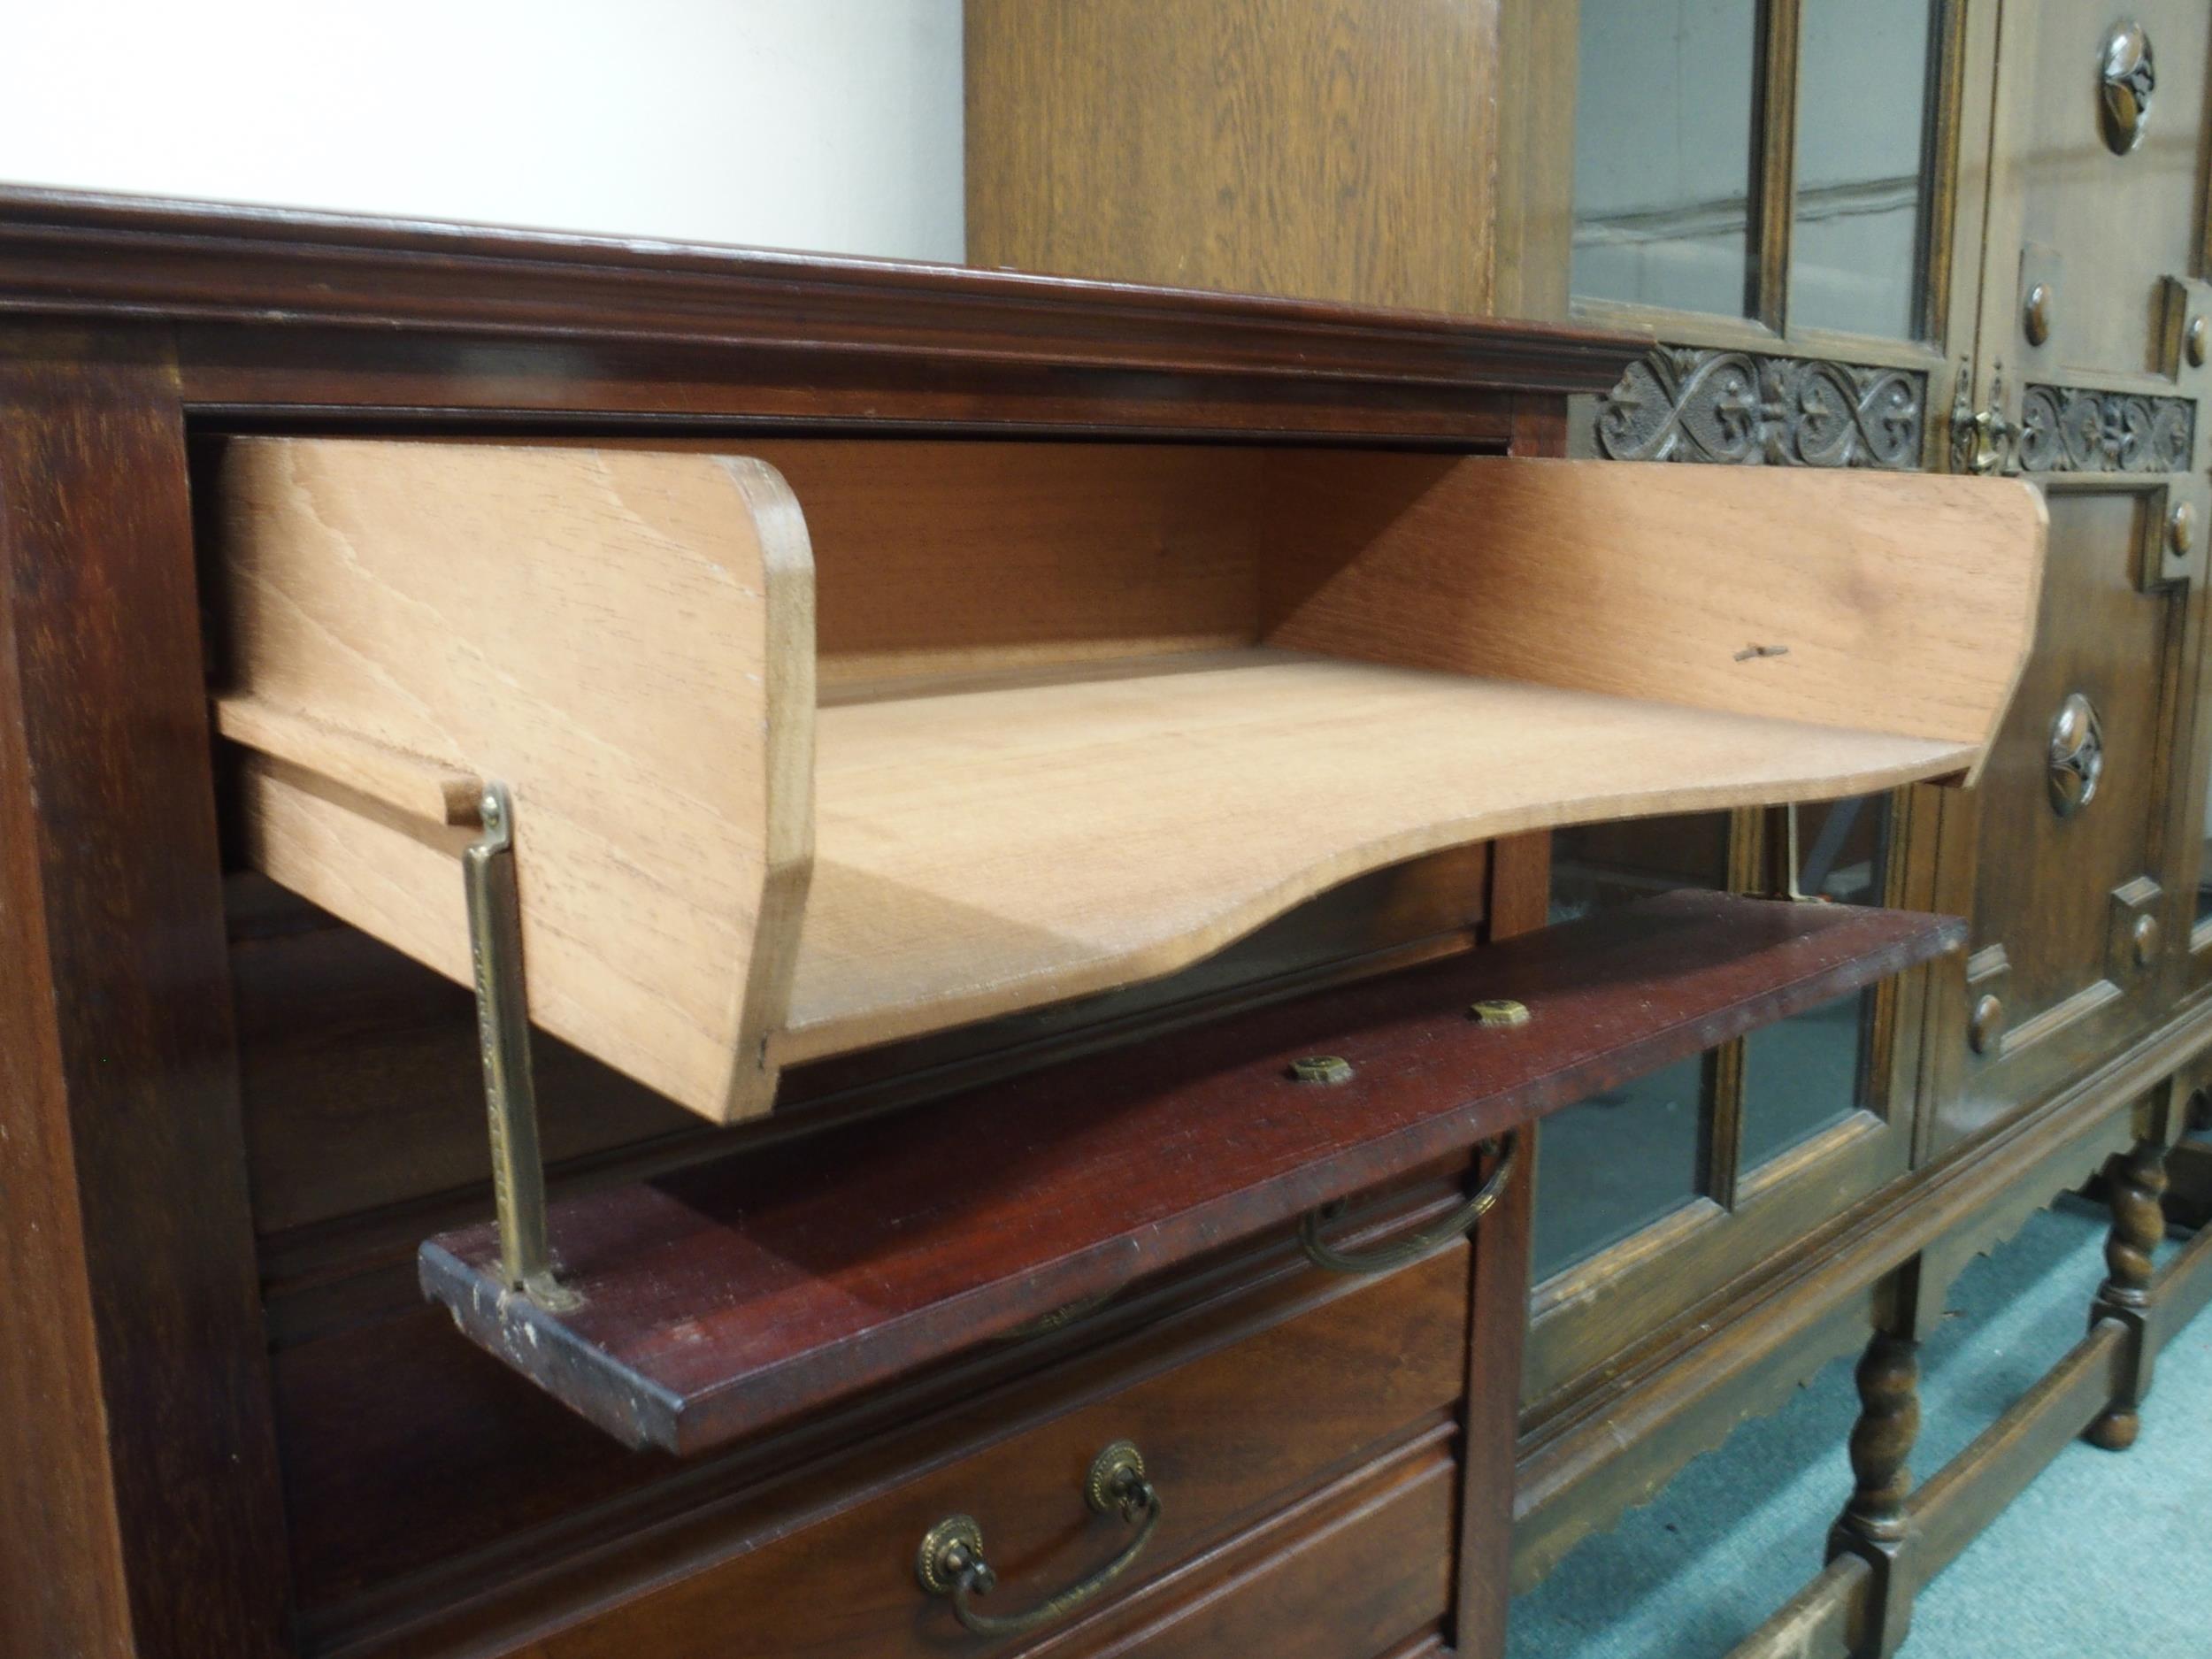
(834, 743)
(1279, 1426)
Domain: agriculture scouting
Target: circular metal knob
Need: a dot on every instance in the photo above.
(2076, 755)
(2181, 527)
(2130, 73)
(2143, 937)
(2035, 313)
(1987, 1024)
(2194, 341)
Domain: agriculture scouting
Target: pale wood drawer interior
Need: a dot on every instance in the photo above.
(829, 743)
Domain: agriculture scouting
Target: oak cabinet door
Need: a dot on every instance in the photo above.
(2078, 852)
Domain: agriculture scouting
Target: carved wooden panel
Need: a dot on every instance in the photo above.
(1688, 404)
(2067, 429)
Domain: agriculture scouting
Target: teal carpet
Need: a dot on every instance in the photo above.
(2105, 1556)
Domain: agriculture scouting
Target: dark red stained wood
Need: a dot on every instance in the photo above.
(72, 254)
(138, 1483)
(734, 1295)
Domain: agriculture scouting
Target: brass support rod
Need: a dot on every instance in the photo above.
(503, 1030)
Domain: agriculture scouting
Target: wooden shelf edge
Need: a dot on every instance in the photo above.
(739, 1293)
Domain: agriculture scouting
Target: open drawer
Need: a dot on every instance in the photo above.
(832, 743)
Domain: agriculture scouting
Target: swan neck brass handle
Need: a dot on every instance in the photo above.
(1398, 1252)
(951, 1562)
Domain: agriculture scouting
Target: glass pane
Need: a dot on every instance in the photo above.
(1863, 105)
(1597, 866)
(1619, 1161)
(1808, 1072)
(1803, 1075)
(1613, 1163)
(1663, 153)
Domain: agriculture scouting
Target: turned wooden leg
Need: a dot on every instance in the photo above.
(1882, 1439)
(1874, 1523)
(2139, 1222)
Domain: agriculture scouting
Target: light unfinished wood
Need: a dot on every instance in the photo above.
(991, 849)
(1893, 603)
(624, 639)
(1012, 820)
(414, 786)
(950, 557)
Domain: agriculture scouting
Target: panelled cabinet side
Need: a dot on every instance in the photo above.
(137, 1460)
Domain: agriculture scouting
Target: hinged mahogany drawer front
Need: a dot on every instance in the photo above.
(1290, 1419)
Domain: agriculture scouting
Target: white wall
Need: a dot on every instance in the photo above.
(831, 125)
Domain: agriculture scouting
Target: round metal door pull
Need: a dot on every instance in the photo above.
(2076, 755)
(1988, 1024)
(2129, 72)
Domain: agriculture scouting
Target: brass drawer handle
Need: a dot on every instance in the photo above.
(1385, 1257)
(951, 1562)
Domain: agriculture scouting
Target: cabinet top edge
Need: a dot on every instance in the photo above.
(87, 256)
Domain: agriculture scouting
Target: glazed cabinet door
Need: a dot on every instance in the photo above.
(1775, 189)
(2075, 856)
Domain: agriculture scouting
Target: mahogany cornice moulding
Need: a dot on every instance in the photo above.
(68, 255)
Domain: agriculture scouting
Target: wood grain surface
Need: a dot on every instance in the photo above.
(139, 1509)
(993, 840)
(988, 849)
(1894, 603)
(1343, 149)
(626, 640)
(731, 1295)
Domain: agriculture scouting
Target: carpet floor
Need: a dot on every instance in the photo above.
(2104, 1557)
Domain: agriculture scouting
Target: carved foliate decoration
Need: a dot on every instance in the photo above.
(1682, 403)
(2066, 430)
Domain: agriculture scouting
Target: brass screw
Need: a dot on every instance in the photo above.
(2181, 527)
(1500, 1011)
(2194, 341)
(1321, 1068)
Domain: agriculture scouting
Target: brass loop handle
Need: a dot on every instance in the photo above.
(1398, 1252)
(951, 1562)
